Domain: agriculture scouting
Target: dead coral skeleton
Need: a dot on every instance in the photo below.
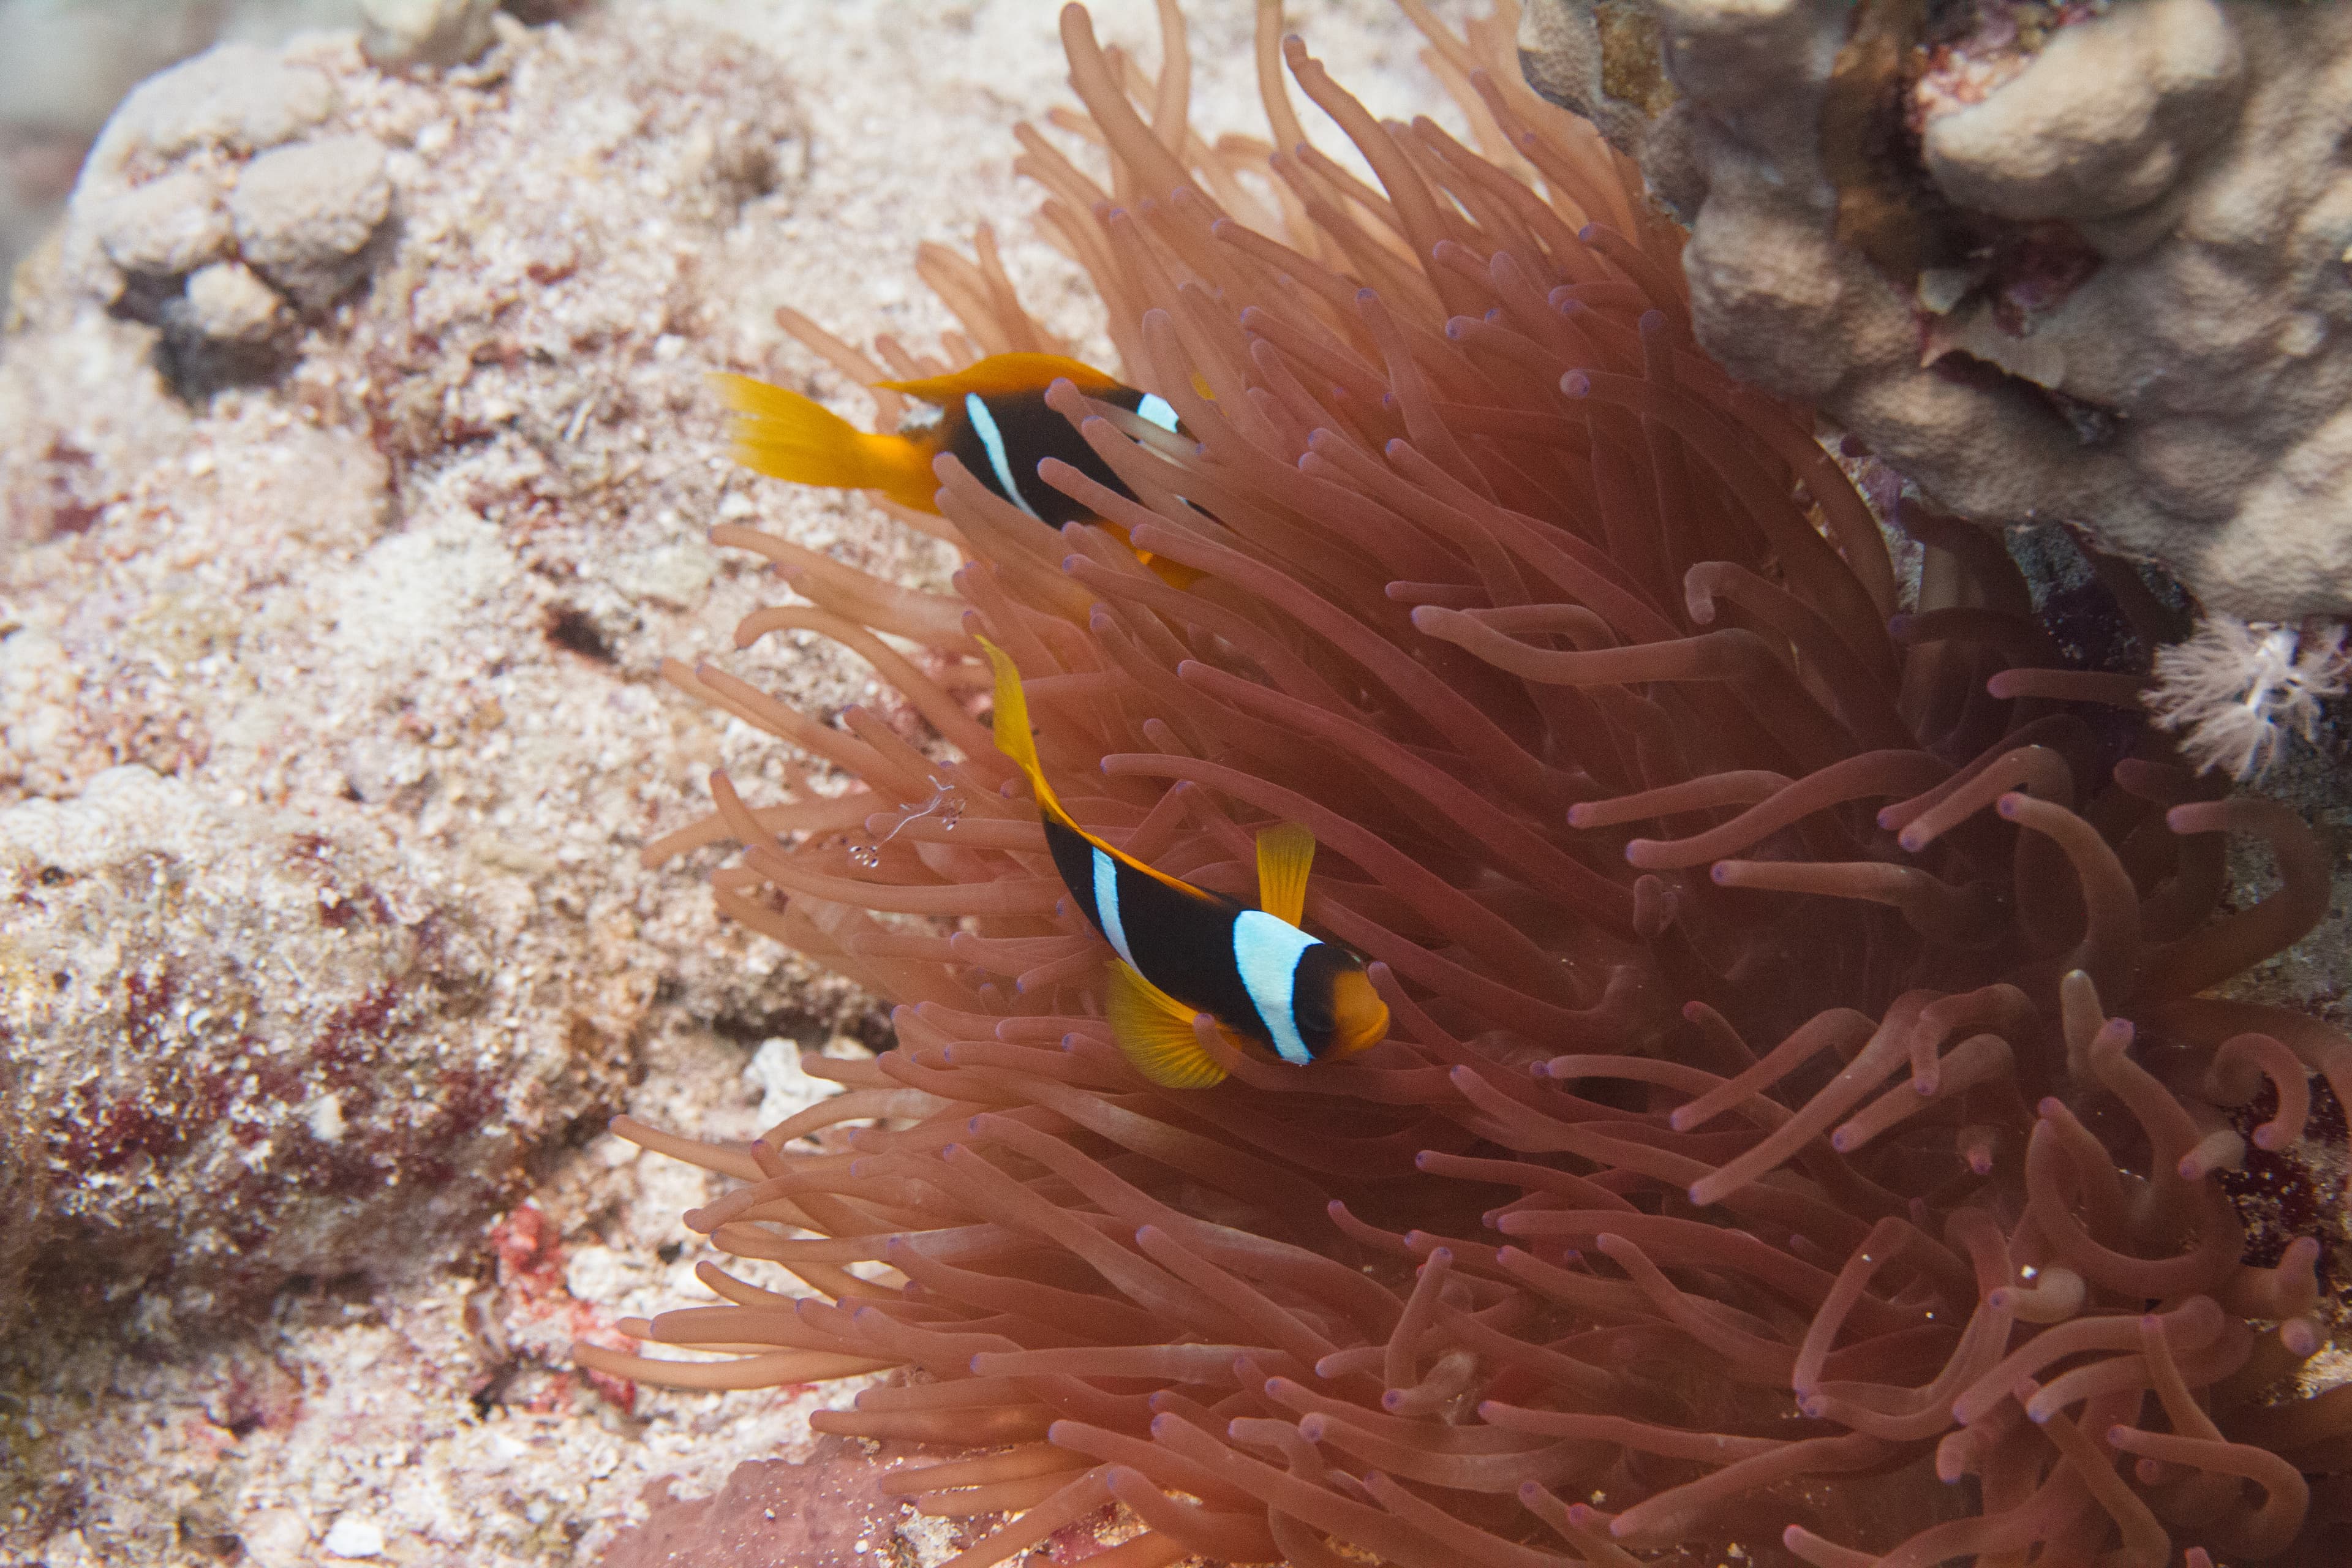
(2064, 261)
(1805, 1136)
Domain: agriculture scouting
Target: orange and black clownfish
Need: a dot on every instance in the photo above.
(1184, 950)
(991, 416)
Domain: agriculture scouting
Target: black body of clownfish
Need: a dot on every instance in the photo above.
(1184, 950)
(992, 417)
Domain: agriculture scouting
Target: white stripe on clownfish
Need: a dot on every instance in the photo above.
(1107, 905)
(1266, 951)
(983, 425)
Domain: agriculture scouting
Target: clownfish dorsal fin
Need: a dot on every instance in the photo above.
(1003, 375)
(1155, 1032)
(1012, 736)
(1285, 853)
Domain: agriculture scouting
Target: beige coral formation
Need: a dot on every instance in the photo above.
(2084, 263)
(65, 65)
(324, 919)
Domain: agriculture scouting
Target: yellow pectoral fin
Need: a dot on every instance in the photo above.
(781, 433)
(1285, 852)
(1155, 1032)
(1174, 574)
(1003, 375)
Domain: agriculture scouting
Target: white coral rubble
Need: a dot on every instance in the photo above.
(2236, 691)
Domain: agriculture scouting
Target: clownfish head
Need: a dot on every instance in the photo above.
(1359, 1018)
(1336, 1009)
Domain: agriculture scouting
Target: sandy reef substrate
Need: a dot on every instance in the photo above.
(347, 677)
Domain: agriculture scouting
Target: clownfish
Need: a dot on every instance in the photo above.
(991, 416)
(1184, 950)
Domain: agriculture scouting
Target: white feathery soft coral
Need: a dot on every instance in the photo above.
(2237, 688)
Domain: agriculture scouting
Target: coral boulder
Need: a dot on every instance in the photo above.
(244, 1049)
(2066, 263)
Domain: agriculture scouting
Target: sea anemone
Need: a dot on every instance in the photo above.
(1804, 1133)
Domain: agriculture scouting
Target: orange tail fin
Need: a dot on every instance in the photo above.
(782, 434)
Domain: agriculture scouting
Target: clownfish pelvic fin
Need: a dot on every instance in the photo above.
(788, 437)
(1156, 1033)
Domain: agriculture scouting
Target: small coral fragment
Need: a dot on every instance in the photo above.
(2236, 689)
(402, 33)
(166, 227)
(237, 95)
(228, 303)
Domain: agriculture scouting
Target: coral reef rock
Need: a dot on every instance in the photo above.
(260, 1050)
(2076, 263)
(303, 213)
(214, 161)
(354, 468)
